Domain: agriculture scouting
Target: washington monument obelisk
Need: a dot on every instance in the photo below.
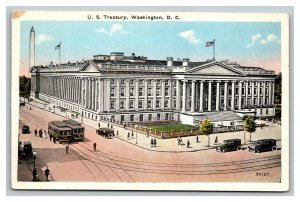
(31, 48)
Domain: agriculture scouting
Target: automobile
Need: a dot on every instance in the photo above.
(22, 104)
(25, 129)
(263, 145)
(25, 150)
(105, 132)
(230, 145)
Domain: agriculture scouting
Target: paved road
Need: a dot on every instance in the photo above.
(118, 161)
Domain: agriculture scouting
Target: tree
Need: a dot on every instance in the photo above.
(206, 128)
(277, 90)
(249, 126)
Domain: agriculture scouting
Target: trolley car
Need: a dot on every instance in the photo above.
(60, 131)
(77, 129)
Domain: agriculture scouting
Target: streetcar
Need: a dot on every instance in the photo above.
(77, 129)
(60, 131)
(105, 132)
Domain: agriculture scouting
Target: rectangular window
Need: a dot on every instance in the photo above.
(112, 81)
(112, 104)
(236, 91)
(140, 104)
(167, 117)
(174, 103)
(140, 91)
(150, 117)
(167, 92)
(243, 91)
(122, 81)
(166, 103)
(141, 82)
(131, 91)
(267, 111)
(131, 81)
(149, 82)
(122, 118)
(122, 91)
(149, 91)
(157, 103)
(131, 104)
(141, 117)
(112, 92)
(131, 117)
(149, 105)
(158, 91)
(158, 117)
(122, 104)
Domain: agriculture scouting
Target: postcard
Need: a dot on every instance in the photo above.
(106, 100)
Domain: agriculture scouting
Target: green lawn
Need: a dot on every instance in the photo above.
(169, 128)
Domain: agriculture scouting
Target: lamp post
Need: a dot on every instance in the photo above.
(34, 157)
(136, 142)
(54, 109)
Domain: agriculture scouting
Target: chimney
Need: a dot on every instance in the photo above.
(51, 64)
(185, 62)
(169, 61)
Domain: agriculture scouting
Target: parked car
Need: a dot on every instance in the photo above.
(25, 150)
(230, 145)
(263, 145)
(22, 104)
(25, 129)
(105, 132)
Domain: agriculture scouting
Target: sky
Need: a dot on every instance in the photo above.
(248, 43)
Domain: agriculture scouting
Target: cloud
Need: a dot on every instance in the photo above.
(115, 28)
(271, 38)
(189, 35)
(254, 38)
(42, 38)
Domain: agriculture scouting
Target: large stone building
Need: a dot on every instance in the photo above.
(135, 88)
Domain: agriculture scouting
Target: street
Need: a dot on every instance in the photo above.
(122, 160)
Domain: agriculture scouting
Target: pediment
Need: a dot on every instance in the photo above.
(215, 69)
(90, 67)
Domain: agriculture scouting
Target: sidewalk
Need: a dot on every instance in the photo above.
(171, 145)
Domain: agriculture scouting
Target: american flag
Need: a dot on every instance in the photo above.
(210, 43)
(57, 47)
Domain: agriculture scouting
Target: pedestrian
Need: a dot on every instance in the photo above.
(45, 133)
(188, 144)
(152, 142)
(35, 132)
(107, 125)
(216, 140)
(30, 108)
(95, 146)
(111, 126)
(261, 126)
(67, 149)
(47, 172)
(117, 133)
(178, 141)
(132, 134)
(197, 139)
(54, 140)
(128, 136)
(50, 137)
(124, 125)
(147, 134)
(99, 125)
(34, 174)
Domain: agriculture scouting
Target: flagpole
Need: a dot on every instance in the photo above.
(59, 52)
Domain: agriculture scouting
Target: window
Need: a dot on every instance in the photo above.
(122, 81)
(122, 92)
(150, 117)
(131, 91)
(122, 118)
(249, 90)
(174, 92)
(261, 111)
(255, 91)
(141, 117)
(131, 81)
(149, 82)
(158, 117)
(167, 92)
(140, 104)
(122, 104)
(166, 103)
(149, 91)
(236, 91)
(167, 82)
(140, 91)
(267, 111)
(112, 92)
(149, 105)
(243, 91)
(167, 117)
(131, 117)
(131, 102)
(158, 91)
(174, 103)
(141, 82)
(112, 104)
(157, 103)
(112, 81)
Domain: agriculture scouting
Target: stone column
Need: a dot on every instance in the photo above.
(246, 98)
(154, 94)
(184, 95)
(264, 94)
(218, 97)
(201, 96)
(193, 97)
(232, 95)
(108, 95)
(127, 94)
(273, 93)
(240, 94)
(118, 95)
(163, 91)
(101, 95)
(225, 95)
(178, 96)
(136, 95)
(252, 93)
(86, 93)
(270, 94)
(146, 95)
(258, 93)
(93, 93)
(209, 96)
